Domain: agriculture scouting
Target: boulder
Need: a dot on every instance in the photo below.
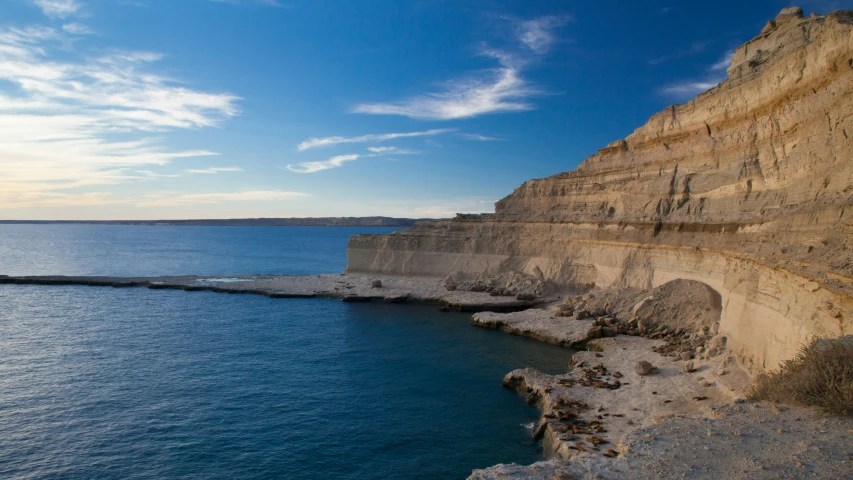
(687, 367)
(686, 356)
(376, 284)
(581, 314)
(642, 303)
(643, 367)
(595, 332)
(527, 297)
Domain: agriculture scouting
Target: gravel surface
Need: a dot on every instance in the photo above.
(745, 441)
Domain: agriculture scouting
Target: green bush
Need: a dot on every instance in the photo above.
(821, 375)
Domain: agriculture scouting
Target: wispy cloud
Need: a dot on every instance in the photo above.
(496, 90)
(58, 8)
(160, 200)
(312, 167)
(392, 151)
(479, 138)
(688, 88)
(723, 63)
(77, 29)
(538, 34)
(213, 170)
(67, 123)
(340, 160)
(504, 91)
(150, 174)
(381, 137)
(715, 74)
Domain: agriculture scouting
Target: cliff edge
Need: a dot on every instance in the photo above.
(748, 188)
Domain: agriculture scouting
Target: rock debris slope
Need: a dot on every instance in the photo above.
(748, 189)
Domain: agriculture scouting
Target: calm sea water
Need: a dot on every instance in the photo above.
(149, 251)
(118, 383)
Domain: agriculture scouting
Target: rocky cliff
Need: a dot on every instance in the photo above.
(748, 188)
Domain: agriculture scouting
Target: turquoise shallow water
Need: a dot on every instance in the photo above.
(118, 383)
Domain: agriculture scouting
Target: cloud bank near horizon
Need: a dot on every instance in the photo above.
(71, 121)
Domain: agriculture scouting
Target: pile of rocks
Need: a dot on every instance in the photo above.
(596, 377)
(686, 343)
(687, 346)
(564, 419)
(510, 284)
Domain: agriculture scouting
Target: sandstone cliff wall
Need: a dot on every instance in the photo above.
(748, 188)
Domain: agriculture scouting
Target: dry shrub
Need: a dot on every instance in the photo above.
(821, 375)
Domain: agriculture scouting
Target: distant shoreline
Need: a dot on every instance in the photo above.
(239, 222)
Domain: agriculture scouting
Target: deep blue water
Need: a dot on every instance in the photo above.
(118, 383)
(118, 250)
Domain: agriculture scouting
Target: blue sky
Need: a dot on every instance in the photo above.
(146, 109)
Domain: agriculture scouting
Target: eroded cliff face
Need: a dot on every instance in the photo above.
(747, 188)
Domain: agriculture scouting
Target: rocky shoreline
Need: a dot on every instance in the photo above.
(607, 417)
(346, 287)
(655, 364)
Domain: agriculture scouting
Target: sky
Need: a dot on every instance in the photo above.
(169, 109)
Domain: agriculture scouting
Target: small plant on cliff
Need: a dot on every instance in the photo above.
(820, 375)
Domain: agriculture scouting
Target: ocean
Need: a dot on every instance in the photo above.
(119, 383)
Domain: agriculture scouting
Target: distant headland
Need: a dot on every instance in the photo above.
(241, 222)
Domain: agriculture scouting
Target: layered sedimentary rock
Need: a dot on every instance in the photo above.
(748, 188)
